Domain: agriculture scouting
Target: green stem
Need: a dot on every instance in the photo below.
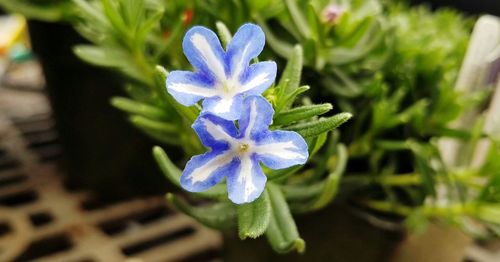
(430, 211)
(467, 177)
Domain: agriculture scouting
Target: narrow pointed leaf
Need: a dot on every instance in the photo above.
(100, 56)
(298, 19)
(169, 169)
(224, 33)
(332, 182)
(322, 192)
(281, 174)
(315, 128)
(219, 216)
(173, 174)
(253, 218)
(288, 99)
(51, 12)
(110, 9)
(282, 232)
(290, 79)
(190, 113)
(281, 47)
(89, 11)
(301, 113)
(319, 142)
(153, 125)
(133, 107)
(302, 192)
(155, 130)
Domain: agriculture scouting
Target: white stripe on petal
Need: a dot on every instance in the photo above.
(255, 82)
(252, 117)
(216, 131)
(238, 67)
(223, 105)
(203, 172)
(283, 150)
(245, 177)
(193, 90)
(208, 55)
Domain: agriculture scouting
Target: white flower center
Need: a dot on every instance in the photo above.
(228, 88)
(242, 147)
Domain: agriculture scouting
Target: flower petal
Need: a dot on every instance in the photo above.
(214, 131)
(247, 183)
(205, 171)
(225, 107)
(256, 116)
(188, 87)
(246, 44)
(281, 149)
(258, 78)
(204, 51)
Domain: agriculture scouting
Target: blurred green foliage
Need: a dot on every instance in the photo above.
(392, 66)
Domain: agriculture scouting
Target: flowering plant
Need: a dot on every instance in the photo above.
(234, 123)
(392, 66)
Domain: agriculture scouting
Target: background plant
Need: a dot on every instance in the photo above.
(393, 67)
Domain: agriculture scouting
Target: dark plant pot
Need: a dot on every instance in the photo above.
(103, 152)
(338, 234)
(333, 234)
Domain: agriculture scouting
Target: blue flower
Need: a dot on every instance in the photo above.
(235, 154)
(222, 78)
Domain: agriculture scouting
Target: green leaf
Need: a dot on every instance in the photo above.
(101, 56)
(488, 212)
(313, 20)
(169, 169)
(298, 19)
(428, 174)
(110, 57)
(110, 9)
(224, 33)
(300, 113)
(288, 99)
(318, 144)
(331, 147)
(47, 11)
(315, 128)
(90, 12)
(219, 216)
(282, 232)
(281, 47)
(173, 174)
(162, 132)
(281, 174)
(151, 22)
(302, 192)
(253, 218)
(153, 125)
(133, 11)
(333, 180)
(189, 113)
(321, 193)
(133, 107)
(290, 79)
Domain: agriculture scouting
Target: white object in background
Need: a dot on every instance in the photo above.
(474, 73)
(485, 40)
(491, 127)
